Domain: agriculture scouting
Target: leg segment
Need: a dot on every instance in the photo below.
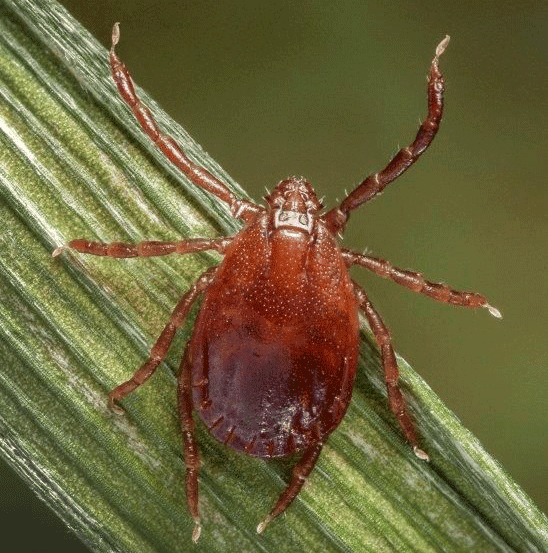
(391, 371)
(197, 174)
(160, 348)
(145, 249)
(373, 184)
(417, 283)
(190, 447)
(299, 475)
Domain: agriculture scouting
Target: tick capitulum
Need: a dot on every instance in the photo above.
(272, 359)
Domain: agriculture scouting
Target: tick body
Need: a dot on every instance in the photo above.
(274, 349)
(272, 359)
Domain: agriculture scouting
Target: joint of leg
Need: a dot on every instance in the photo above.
(429, 124)
(383, 338)
(336, 219)
(301, 477)
(408, 153)
(192, 469)
(188, 435)
(155, 354)
(243, 209)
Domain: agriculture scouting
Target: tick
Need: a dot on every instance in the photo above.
(271, 362)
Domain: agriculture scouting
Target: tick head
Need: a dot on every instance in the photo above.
(293, 204)
(294, 194)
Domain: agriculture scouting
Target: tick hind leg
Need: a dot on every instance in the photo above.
(391, 371)
(160, 348)
(190, 447)
(299, 475)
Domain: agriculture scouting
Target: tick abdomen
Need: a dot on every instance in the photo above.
(273, 359)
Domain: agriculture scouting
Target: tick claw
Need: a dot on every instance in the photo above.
(197, 531)
(421, 454)
(494, 311)
(115, 35)
(442, 46)
(115, 407)
(262, 525)
(59, 250)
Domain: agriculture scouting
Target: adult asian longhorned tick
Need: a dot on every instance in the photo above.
(272, 359)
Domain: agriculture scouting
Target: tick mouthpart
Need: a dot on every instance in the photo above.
(293, 219)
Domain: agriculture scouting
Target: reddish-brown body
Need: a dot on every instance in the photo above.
(274, 347)
(272, 360)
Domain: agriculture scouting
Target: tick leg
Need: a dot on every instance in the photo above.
(299, 475)
(373, 184)
(417, 283)
(198, 175)
(144, 249)
(160, 348)
(192, 456)
(391, 371)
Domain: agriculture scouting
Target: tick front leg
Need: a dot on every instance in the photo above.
(373, 184)
(391, 371)
(190, 447)
(239, 208)
(160, 348)
(416, 282)
(144, 249)
(299, 474)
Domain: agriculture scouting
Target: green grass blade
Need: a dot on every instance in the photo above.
(73, 163)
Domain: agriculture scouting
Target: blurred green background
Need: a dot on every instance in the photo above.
(330, 90)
